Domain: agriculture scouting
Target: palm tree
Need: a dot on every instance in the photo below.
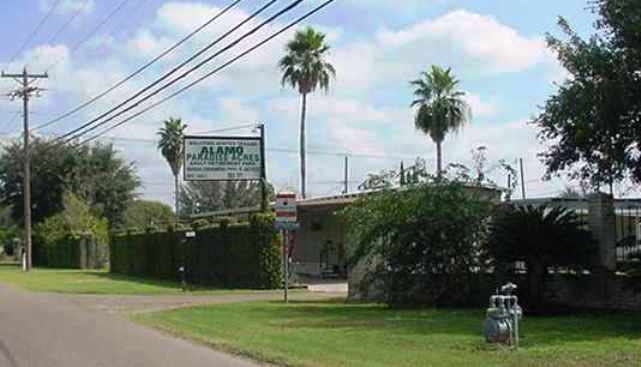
(171, 147)
(304, 68)
(441, 107)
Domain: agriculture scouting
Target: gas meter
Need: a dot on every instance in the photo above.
(503, 316)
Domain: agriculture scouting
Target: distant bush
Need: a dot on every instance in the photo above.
(231, 256)
(145, 214)
(74, 238)
(426, 240)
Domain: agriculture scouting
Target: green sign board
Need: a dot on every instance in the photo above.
(222, 158)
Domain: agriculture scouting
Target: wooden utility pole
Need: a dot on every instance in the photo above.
(264, 205)
(346, 176)
(25, 92)
(522, 179)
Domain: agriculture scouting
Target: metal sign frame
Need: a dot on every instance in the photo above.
(259, 139)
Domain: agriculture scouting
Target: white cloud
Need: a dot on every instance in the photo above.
(471, 43)
(481, 37)
(480, 108)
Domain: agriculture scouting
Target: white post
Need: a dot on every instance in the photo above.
(24, 260)
(285, 266)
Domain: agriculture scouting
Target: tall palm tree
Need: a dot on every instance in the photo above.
(171, 147)
(304, 68)
(441, 107)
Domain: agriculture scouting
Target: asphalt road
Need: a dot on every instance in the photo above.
(50, 330)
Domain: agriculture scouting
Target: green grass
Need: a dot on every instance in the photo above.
(337, 334)
(92, 282)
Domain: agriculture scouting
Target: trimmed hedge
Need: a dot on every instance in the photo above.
(70, 252)
(231, 256)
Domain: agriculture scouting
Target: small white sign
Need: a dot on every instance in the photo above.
(285, 208)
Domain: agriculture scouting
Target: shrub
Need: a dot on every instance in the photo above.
(426, 239)
(541, 237)
(199, 223)
(233, 256)
(74, 238)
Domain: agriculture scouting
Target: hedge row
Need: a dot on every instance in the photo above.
(72, 252)
(230, 256)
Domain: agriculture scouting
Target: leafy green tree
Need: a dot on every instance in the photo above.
(103, 180)
(541, 237)
(8, 231)
(171, 147)
(143, 213)
(49, 169)
(441, 108)
(591, 124)
(306, 69)
(96, 174)
(424, 241)
(208, 196)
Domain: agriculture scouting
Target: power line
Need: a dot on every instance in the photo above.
(97, 124)
(92, 32)
(8, 122)
(227, 129)
(140, 69)
(272, 150)
(35, 30)
(126, 21)
(216, 70)
(66, 24)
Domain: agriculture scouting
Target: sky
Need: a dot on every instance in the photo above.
(496, 48)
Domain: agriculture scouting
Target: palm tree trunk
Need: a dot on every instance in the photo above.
(177, 195)
(439, 160)
(303, 177)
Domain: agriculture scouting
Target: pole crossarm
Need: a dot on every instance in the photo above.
(32, 76)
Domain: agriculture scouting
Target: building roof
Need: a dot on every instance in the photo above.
(579, 204)
(345, 199)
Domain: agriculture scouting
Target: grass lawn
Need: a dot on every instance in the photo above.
(92, 282)
(337, 334)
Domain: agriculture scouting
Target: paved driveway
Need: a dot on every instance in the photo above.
(53, 330)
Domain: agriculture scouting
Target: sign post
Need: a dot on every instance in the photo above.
(286, 221)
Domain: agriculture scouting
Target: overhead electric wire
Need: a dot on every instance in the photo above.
(272, 150)
(92, 32)
(8, 122)
(216, 70)
(140, 69)
(121, 24)
(66, 24)
(33, 33)
(94, 121)
(141, 140)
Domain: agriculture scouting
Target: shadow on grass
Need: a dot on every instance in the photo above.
(536, 331)
(160, 283)
(134, 279)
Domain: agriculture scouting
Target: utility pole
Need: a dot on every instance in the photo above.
(25, 92)
(346, 178)
(263, 171)
(522, 179)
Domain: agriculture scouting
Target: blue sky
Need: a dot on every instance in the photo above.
(496, 48)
